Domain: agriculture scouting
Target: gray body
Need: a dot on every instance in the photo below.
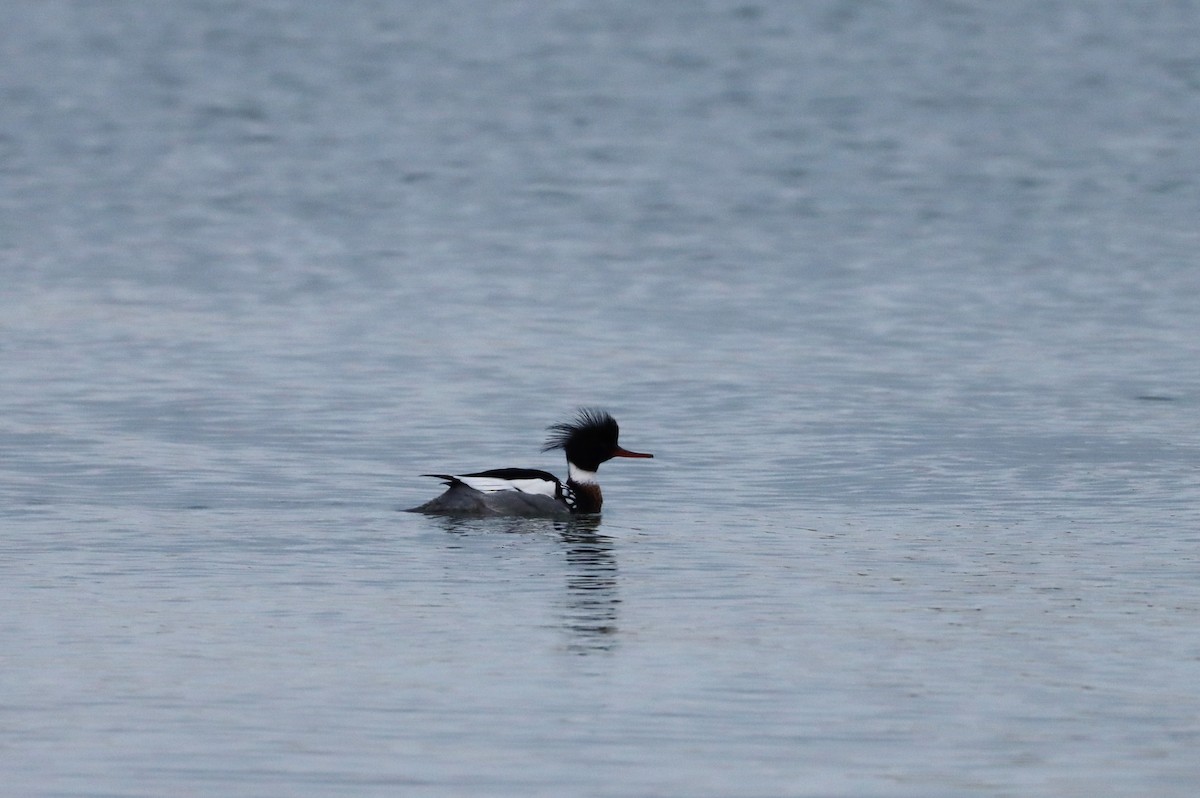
(459, 499)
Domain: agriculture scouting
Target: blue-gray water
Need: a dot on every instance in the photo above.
(903, 296)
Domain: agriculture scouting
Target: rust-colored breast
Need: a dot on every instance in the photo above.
(588, 497)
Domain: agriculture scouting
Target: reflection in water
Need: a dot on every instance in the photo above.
(591, 600)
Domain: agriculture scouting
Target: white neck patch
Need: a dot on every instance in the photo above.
(579, 476)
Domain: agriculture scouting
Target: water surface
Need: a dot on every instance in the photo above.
(901, 296)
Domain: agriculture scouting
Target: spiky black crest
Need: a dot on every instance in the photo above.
(591, 428)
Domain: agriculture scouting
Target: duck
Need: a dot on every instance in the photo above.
(587, 440)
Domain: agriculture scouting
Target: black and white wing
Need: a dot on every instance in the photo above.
(501, 491)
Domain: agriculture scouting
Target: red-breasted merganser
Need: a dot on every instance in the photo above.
(588, 440)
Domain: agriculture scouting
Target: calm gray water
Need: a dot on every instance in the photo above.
(903, 296)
